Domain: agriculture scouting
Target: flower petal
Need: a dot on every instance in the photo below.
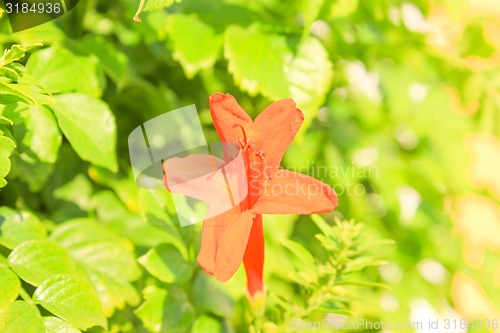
(230, 120)
(182, 169)
(274, 129)
(224, 239)
(254, 257)
(198, 176)
(289, 192)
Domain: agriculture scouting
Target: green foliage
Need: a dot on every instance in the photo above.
(10, 287)
(6, 148)
(194, 43)
(18, 227)
(325, 284)
(152, 5)
(59, 71)
(83, 248)
(71, 298)
(107, 259)
(166, 310)
(21, 316)
(248, 49)
(89, 126)
(35, 261)
(56, 325)
(167, 264)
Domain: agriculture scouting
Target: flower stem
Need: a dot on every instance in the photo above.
(136, 16)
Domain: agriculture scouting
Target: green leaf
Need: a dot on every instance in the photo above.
(39, 134)
(210, 296)
(21, 317)
(305, 260)
(97, 247)
(112, 211)
(152, 5)
(43, 137)
(263, 63)
(165, 310)
(56, 325)
(14, 92)
(113, 62)
(151, 310)
(90, 127)
(58, 70)
(24, 78)
(15, 53)
(77, 191)
(257, 61)
(114, 293)
(312, 9)
(325, 228)
(108, 259)
(37, 260)
(205, 324)
(361, 263)
(363, 284)
(9, 73)
(473, 41)
(9, 288)
(309, 76)
(19, 226)
(194, 43)
(167, 264)
(152, 206)
(342, 8)
(71, 298)
(31, 170)
(6, 148)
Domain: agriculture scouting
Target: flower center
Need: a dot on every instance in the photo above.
(255, 165)
(248, 144)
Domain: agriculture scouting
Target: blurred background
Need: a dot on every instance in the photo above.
(402, 118)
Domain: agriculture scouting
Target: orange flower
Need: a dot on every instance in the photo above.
(236, 235)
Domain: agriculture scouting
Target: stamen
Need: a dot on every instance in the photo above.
(261, 154)
(243, 146)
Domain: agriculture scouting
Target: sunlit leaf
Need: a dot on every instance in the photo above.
(89, 126)
(21, 317)
(56, 325)
(9, 288)
(195, 44)
(6, 148)
(167, 264)
(37, 260)
(19, 226)
(113, 62)
(71, 298)
(58, 70)
(206, 324)
(107, 258)
(39, 135)
(309, 76)
(210, 296)
(165, 310)
(15, 53)
(151, 5)
(257, 61)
